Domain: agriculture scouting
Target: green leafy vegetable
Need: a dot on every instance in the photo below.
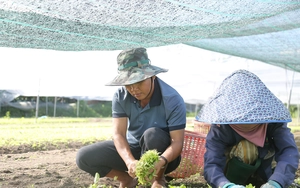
(96, 180)
(250, 186)
(181, 186)
(145, 167)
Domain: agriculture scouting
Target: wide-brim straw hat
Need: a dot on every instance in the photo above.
(134, 66)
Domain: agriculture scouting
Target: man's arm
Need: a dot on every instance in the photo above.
(173, 151)
(122, 146)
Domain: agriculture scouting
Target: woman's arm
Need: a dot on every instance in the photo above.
(217, 140)
(286, 155)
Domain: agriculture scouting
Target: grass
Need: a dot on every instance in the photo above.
(35, 132)
(22, 131)
(295, 128)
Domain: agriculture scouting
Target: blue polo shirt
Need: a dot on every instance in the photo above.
(165, 110)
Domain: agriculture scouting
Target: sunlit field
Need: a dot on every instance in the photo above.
(40, 132)
(35, 132)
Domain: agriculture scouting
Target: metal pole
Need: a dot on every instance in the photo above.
(290, 94)
(46, 106)
(298, 105)
(55, 100)
(37, 102)
(0, 100)
(78, 107)
(37, 107)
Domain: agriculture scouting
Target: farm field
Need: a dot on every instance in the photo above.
(41, 153)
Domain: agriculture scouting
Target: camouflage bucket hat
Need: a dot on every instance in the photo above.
(134, 66)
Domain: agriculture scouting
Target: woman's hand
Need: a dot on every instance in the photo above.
(271, 184)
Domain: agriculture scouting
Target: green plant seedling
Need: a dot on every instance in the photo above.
(145, 167)
(250, 186)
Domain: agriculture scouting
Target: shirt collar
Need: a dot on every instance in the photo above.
(156, 96)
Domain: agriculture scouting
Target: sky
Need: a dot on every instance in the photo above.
(195, 73)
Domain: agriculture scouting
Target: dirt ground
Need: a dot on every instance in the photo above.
(23, 168)
(44, 169)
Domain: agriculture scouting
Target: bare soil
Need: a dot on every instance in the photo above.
(23, 167)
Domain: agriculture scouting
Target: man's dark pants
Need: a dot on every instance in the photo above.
(102, 157)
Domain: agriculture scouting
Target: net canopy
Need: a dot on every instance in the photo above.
(264, 30)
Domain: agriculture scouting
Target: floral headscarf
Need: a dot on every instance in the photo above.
(243, 98)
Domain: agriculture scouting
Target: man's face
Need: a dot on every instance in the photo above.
(140, 90)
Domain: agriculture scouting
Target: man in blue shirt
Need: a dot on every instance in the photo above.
(147, 114)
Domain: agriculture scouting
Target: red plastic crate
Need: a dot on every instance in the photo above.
(192, 155)
(201, 127)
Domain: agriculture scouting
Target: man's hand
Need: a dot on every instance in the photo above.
(159, 165)
(132, 168)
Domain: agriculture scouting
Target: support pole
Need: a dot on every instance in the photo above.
(46, 106)
(54, 112)
(37, 102)
(290, 94)
(78, 107)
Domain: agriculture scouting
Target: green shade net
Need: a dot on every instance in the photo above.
(264, 30)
